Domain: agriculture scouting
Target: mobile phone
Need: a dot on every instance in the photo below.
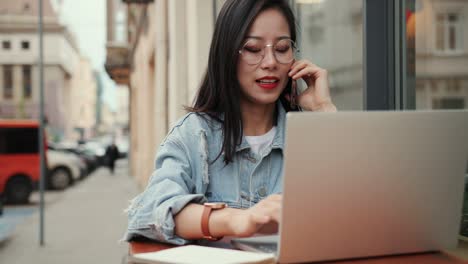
(293, 95)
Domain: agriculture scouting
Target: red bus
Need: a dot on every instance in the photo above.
(19, 159)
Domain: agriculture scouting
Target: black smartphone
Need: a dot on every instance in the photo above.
(293, 94)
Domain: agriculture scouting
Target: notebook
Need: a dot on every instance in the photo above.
(193, 254)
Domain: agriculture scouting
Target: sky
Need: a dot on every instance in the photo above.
(86, 19)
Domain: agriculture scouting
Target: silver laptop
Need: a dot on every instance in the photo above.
(364, 184)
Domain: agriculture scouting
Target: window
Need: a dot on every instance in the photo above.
(448, 35)
(25, 45)
(448, 103)
(7, 81)
(330, 34)
(6, 45)
(19, 140)
(27, 91)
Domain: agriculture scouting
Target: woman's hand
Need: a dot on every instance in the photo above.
(245, 223)
(317, 95)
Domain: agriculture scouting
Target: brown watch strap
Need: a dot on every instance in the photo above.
(205, 221)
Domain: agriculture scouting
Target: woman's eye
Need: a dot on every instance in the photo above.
(282, 49)
(252, 49)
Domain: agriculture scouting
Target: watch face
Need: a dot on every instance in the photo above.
(215, 205)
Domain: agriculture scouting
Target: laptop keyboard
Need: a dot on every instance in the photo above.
(267, 248)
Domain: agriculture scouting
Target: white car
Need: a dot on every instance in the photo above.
(64, 169)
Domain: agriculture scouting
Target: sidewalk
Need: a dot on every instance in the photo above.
(83, 225)
(11, 217)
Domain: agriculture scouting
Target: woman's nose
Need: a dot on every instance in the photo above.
(269, 60)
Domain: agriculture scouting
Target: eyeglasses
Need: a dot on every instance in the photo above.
(253, 51)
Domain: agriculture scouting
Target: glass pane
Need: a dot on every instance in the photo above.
(442, 79)
(7, 81)
(459, 37)
(440, 37)
(452, 38)
(6, 45)
(27, 81)
(452, 17)
(331, 37)
(448, 103)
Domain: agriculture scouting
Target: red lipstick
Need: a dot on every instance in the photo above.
(268, 82)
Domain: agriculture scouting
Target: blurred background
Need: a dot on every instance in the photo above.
(118, 73)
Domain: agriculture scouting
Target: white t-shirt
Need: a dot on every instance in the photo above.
(259, 143)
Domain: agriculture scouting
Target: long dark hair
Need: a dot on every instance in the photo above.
(219, 93)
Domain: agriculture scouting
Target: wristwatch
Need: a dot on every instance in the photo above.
(208, 207)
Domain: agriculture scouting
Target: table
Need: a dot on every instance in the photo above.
(425, 258)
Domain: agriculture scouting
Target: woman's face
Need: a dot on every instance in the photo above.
(262, 83)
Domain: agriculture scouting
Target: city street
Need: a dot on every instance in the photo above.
(83, 223)
(90, 86)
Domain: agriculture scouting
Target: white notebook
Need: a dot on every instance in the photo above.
(198, 254)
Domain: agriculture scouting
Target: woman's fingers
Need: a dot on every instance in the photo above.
(317, 95)
(297, 66)
(309, 73)
(249, 221)
(270, 207)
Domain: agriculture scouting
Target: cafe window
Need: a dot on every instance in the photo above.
(448, 32)
(7, 81)
(27, 91)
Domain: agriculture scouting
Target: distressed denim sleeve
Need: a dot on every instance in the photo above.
(170, 188)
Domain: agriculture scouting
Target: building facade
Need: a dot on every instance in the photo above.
(167, 53)
(81, 103)
(65, 71)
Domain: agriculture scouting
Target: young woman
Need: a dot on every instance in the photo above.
(228, 149)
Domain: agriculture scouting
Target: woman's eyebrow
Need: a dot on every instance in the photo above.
(260, 38)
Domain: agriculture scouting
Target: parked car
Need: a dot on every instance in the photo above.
(89, 158)
(95, 148)
(64, 169)
(80, 159)
(19, 159)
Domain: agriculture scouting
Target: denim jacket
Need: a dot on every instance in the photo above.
(185, 173)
